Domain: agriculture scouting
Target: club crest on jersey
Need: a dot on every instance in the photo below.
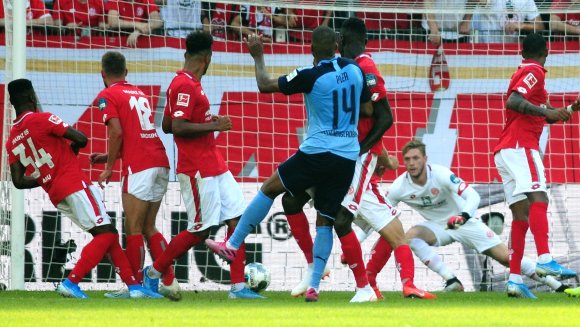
(183, 99)
(530, 80)
(435, 191)
(102, 104)
(371, 80)
(522, 90)
(454, 179)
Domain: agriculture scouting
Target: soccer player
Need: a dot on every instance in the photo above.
(365, 202)
(42, 152)
(335, 94)
(518, 161)
(145, 172)
(448, 205)
(210, 193)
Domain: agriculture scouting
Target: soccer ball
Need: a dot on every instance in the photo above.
(257, 276)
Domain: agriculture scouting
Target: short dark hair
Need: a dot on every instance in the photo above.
(354, 28)
(20, 91)
(113, 63)
(323, 42)
(198, 42)
(534, 45)
(414, 144)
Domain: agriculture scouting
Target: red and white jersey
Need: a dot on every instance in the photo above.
(35, 9)
(258, 17)
(89, 13)
(187, 100)
(36, 140)
(570, 18)
(522, 130)
(141, 149)
(376, 85)
(221, 15)
(441, 197)
(136, 10)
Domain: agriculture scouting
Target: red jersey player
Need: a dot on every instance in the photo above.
(209, 191)
(137, 16)
(41, 152)
(133, 138)
(519, 163)
(36, 14)
(365, 203)
(75, 14)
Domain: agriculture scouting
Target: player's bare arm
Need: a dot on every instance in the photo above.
(19, 179)
(115, 142)
(383, 121)
(79, 140)
(518, 103)
(166, 125)
(266, 84)
(185, 128)
(366, 109)
(385, 162)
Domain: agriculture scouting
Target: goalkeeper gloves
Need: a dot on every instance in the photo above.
(456, 221)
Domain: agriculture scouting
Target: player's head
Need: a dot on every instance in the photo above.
(22, 95)
(323, 43)
(113, 67)
(353, 37)
(534, 47)
(198, 49)
(415, 158)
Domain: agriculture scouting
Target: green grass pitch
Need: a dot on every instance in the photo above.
(19, 308)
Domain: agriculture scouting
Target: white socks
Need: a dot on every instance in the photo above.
(529, 269)
(545, 258)
(430, 258)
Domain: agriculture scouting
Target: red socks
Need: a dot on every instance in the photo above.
(538, 220)
(91, 255)
(517, 245)
(135, 251)
(405, 264)
(238, 265)
(121, 263)
(353, 255)
(179, 245)
(158, 244)
(301, 230)
(380, 254)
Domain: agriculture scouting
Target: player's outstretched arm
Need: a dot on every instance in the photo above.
(383, 121)
(517, 102)
(19, 179)
(266, 84)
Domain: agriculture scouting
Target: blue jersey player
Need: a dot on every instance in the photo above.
(334, 94)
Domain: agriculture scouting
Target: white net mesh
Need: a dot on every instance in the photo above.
(453, 100)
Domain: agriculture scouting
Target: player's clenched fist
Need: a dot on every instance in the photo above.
(222, 123)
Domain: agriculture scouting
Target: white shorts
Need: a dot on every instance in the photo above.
(474, 234)
(85, 208)
(363, 171)
(375, 212)
(147, 185)
(521, 171)
(210, 201)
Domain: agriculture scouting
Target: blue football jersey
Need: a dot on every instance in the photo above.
(333, 91)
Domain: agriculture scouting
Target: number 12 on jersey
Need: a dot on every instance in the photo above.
(341, 103)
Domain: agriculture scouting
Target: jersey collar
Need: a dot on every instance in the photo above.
(188, 74)
(119, 83)
(326, 61)
(532, 62)
(21, 117)
(363, 55)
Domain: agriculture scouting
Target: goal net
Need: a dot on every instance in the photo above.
(451, 96)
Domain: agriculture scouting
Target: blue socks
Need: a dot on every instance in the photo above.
(321, 253)
(254, 214)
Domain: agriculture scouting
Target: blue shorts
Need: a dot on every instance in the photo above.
(330, 174)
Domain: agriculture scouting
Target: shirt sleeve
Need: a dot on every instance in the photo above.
(374, 81)
(182, 102)
(458, 186)
(151, 7)
(531, 82)
(300, 80)
(107, 106)
(54, 124)
(111, 5)
(38, 9)
(365, 95)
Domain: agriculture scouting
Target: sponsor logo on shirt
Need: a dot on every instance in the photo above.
(454, 179)
(291, 76)
(530, 80)
(374, 97)
(102, 104)
(522, 90)
(183, 99)
(178, 113)
(371, 80)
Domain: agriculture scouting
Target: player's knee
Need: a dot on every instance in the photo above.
(291, 204)
(343, 223)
